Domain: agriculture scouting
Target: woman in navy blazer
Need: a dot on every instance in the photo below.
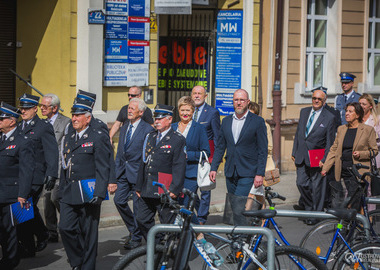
(196, 142)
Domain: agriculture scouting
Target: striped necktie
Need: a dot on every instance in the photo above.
(158, 137)
(128, 137)
(196, 114)
(309, 124)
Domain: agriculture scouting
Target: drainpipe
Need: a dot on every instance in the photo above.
(276, 93)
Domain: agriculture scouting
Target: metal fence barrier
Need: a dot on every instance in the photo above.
(209, 229)
(322, 215)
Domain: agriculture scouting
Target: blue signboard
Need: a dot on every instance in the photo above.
(116, 51)
(116, 27)
(224, 103)
(139, 8)
(96, 17)
(138, 52)
(138, 28)
(228, 57)
(117, 8)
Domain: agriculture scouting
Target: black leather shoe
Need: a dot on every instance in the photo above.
(76, 268)
(298, 207)
(311, 221)
(132, 244)
(42, 244)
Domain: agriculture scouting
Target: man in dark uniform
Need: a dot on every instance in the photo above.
(46, 172)
(99, 125)
(163, 154)
(334, 111)
(348, 95)
(85, 155)
(16, 175)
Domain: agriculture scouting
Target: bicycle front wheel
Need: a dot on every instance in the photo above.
(368, 254)
(292, 257)
(136, 259)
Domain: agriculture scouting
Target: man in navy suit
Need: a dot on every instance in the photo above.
(209, 117)
(315, 131)
(244, 136)
(128, 160)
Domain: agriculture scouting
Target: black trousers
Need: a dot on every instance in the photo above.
(78, 227)
(34, 227)
(8, 238)
(312, 187)
(147, 208)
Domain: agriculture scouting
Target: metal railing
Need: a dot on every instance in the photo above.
(209, 229)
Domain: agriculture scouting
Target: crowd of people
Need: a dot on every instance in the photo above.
(57, 157)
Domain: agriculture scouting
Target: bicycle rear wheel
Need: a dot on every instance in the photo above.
(374, 218)
(136, 259)
(292, 257)
(369, 255)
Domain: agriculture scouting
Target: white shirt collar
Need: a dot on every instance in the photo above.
(53, 118)
(82, 132)
(242, 118)
(164, 133)
(7, 135)
(135, 124)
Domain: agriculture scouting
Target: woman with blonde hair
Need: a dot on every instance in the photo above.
(371, 118)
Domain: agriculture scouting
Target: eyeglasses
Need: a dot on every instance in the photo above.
(240, 100)
(317, 98)
(45, 106)
(130, 95)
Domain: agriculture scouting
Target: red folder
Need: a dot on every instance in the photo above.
(212, 149)
(316, 156)
(166, 179)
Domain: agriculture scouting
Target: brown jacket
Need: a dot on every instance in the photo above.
(364, 141)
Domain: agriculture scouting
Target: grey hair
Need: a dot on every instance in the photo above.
(54, 100)
(87, 114)
(140, 103)
(138, 88)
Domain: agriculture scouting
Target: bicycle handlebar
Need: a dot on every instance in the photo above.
(273, 195)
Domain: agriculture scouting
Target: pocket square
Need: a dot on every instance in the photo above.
(321, 125)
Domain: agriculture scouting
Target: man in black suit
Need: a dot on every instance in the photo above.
(85, 156)
(244, 136)
(164, 153)
(122, 117)
(127, 163)
(46, 172)
(16, 176)
(315, 131)
(209, 117)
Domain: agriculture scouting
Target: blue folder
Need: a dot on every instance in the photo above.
(87, 188)
(20, 215)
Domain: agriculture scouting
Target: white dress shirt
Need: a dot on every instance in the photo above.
(237, 125)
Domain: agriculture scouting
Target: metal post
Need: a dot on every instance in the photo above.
(322, 215)
(208, 229)
(373, 200)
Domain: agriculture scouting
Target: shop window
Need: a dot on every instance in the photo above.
(374, 44)
(316, 48)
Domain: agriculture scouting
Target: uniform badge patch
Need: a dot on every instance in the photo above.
(11, 139)
(85, 136)
(87, 144)
(11, 147)
(166, 146)
(32, 132)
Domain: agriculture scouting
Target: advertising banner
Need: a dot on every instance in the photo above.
(138, 74)
(172, 6)
(138, 28)
(115, 74)
(229, 40)
(116, 27)
(138, 52)
(183, 63)
(116, 51)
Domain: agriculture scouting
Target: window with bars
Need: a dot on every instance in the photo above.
(374, 44)
(316, 48)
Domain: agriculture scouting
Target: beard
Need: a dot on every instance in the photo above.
(240, 110)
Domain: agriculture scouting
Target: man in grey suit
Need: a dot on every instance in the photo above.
(127, 164)
(50, 105)
(315, 131)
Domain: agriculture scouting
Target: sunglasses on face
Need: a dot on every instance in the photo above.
(130, 95)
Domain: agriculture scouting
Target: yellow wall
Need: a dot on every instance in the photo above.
(47, 29)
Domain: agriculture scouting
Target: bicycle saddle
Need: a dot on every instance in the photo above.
(265, 213)
(346, 214)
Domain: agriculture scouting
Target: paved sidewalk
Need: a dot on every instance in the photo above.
(287, 188)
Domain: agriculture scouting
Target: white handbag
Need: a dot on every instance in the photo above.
(203, 179)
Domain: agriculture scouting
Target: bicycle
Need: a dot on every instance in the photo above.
(175, 250)
(283, 253)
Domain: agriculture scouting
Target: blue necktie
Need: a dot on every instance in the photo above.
(345, 99)
(128, 138)
(309, 124)
(158, 138)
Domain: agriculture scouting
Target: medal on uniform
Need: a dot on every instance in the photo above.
(11, 139)
(146, 150)
(85, 136)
